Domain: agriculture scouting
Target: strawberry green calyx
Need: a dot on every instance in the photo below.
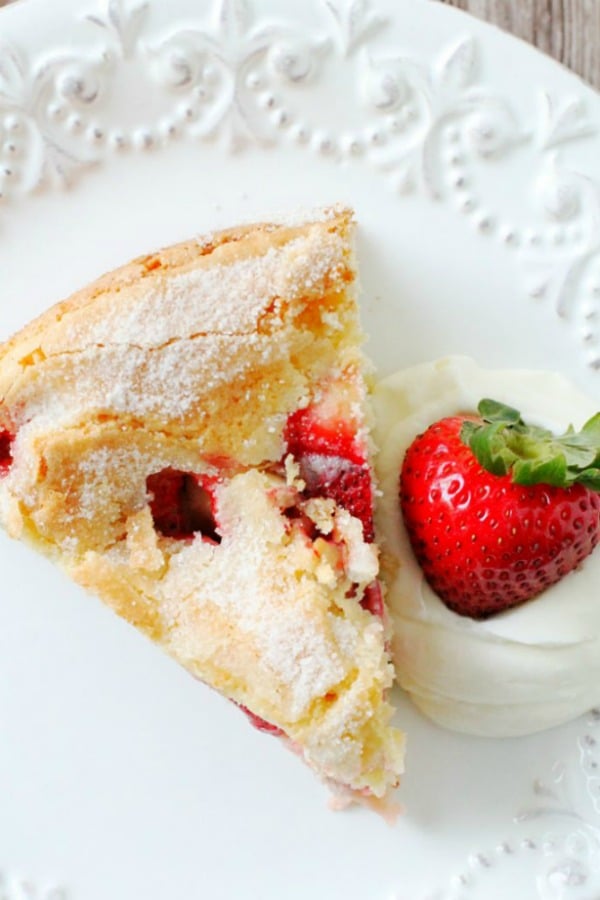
(503, 443)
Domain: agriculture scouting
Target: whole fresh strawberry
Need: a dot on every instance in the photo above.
(497, 510)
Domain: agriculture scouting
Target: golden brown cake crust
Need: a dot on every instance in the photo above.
(178, 363)
(226, 245)
(192, 359)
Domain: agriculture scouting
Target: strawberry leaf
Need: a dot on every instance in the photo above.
(539, 471)
(502, 442)
(591, 479)
(492, 411)
(490, 450)
(592, 428)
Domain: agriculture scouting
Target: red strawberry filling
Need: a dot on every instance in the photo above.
(182, 505)
(306, 433)
(342, 480)
(261, 724)
(6, 458)
(333, 465)
(372, 600)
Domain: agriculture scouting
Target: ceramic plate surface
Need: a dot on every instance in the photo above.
(474, 166)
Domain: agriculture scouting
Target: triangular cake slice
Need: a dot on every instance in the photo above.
(186, 438)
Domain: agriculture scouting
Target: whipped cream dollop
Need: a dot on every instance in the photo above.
(523, 670)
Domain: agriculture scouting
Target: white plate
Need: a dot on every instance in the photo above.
(473, 164)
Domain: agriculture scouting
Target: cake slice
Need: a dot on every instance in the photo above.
(186, 438)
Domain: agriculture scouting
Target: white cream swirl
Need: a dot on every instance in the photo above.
(524, 670)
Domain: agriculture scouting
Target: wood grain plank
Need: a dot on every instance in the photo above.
(568, 30)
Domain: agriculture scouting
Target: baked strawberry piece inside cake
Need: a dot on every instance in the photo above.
(186, 437)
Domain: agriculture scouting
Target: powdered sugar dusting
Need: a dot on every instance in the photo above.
(300, 217)
(288, 620)
(220, 299)
(119, 386)
(167, 381)
(176, 338)
(98, 468)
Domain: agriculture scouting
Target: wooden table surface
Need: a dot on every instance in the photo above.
(569, 30)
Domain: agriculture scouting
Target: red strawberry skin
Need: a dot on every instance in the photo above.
(484, 543)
